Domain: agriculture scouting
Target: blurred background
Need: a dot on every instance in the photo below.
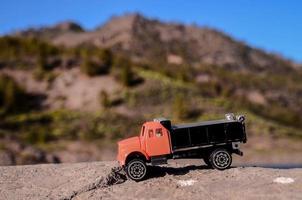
(77, 76)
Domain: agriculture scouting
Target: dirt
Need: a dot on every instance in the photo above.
(52, 181)
(104, 180)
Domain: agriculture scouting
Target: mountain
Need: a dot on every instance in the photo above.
(149, 39)
(51, 32)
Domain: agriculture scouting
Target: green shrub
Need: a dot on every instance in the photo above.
(12, 96)
(180, 108)
(273, 111)
(16, 51)
(93, 66)
(104, 99)
(38, 136)
(89, 67)
(92, 130)
(40, 75)
(123, 71)
(42, 62)
(106, 59)
(126, 75)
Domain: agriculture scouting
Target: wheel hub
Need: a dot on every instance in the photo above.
(137, 170)
(222, 159)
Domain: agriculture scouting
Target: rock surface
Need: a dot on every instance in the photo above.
(174, 181)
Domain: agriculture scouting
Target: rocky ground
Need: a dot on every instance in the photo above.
(96, 180)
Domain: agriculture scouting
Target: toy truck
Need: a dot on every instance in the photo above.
(159, 140)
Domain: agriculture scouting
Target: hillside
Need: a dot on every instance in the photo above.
(63, 88)
(174, 181)
(149, 39)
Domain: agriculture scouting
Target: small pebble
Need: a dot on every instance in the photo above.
(284, 180)
(184, 183)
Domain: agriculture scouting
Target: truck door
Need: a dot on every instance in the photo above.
(157, 140)
(143, 138)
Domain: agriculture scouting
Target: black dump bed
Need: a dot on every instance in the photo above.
(207, 133)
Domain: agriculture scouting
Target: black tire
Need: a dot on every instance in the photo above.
(136, 169)
(220, 159)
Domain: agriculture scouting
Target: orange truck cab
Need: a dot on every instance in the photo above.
(158, 141)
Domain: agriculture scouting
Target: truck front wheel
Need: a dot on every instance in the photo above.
(220, 159)
(136, 169)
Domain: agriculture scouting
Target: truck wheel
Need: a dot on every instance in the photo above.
(220, 159)
(136, 169)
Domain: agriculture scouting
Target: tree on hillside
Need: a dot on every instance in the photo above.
(106, 58)
(126, 74)
(104, 99)
(96, 62)
(123, 71)
(88, 66)
(42, 62)
(180, 108)
(11, 95)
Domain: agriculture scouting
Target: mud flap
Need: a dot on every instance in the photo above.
(238, 152)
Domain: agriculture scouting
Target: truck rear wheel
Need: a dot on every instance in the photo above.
(220, 159)
(136, 169)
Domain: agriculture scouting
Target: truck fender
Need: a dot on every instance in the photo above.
(136, 154)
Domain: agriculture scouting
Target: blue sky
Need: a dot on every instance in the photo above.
(273, 25)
